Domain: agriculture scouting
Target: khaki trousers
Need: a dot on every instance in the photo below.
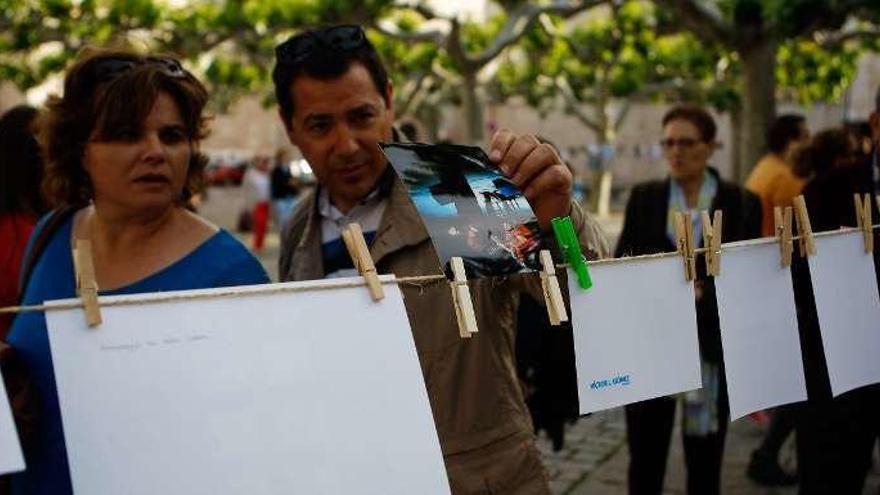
(508, 467)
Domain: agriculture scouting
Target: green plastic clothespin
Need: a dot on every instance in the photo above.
(571, 248)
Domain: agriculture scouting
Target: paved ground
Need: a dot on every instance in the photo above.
(590, 443)
(595, 458)
(608, 477)
(602, 437)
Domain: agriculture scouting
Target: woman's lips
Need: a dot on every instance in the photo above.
(152, 179)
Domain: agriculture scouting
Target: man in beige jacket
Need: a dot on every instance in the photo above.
(335, 101)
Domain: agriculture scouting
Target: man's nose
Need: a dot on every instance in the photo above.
(346, 141)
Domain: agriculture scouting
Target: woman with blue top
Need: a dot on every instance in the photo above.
(692, 186)
(122, 149)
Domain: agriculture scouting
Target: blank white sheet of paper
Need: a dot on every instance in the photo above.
(845, 287)
(11, 459)
(759, 330)
(635, 333)
(263, 393)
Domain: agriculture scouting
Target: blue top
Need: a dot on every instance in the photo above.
(220, 261)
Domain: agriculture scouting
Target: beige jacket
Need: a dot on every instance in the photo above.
(472, 383)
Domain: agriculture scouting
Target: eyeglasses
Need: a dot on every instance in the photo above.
(344, 37)
(683, 143)
(107, 69)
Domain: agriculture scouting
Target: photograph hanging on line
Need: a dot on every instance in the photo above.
(471, 210)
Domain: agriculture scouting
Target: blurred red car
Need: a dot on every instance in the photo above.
(224, 174)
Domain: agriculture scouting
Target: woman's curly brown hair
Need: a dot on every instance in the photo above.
(97, 106)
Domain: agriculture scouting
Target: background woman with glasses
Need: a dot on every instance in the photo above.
(122, 149)
(688, 143)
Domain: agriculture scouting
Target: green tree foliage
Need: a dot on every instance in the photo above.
(805, 49)
(613, 57)
(625, 49)
(229, 43)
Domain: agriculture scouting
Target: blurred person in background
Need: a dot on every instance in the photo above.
(410, 131)
(284, 188)
(121, 149)
(860, 137)
(775, 182)
(827, 150)
(835, 435)
(257, 191)
(689, 141)
(773, 178)
(21, 170)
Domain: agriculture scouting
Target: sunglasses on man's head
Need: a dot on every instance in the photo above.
(345, 37)
(110, 68)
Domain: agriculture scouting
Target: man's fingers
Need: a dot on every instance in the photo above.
(554, 179)
(501, 141)
(541, 157)
(518, 151)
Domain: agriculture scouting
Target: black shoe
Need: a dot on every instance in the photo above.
(765, 470)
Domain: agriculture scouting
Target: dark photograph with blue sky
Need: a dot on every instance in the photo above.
(469, 208)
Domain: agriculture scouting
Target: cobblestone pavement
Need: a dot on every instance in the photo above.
(595, 459)
(589, 444)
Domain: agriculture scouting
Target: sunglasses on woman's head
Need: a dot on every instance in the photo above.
(107, 69)
(345, 37)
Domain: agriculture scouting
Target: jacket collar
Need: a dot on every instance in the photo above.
(400, 227)
(658, 223)
(722, 187)
(307, 262)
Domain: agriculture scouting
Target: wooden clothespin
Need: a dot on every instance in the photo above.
(685, 232)
(806, 243)
(552, 292)
(461, 297)
(865, 222)
(712, 242)
(357, 248)
(782, 220)
(86, 284)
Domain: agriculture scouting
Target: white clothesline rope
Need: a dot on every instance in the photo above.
(420, 280)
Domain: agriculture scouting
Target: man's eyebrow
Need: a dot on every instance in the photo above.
(317, 117)
(362, 109)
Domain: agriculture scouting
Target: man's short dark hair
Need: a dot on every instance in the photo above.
(323, 61)
(785, 129)
(697, 116)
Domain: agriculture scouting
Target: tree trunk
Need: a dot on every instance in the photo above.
(608, 136)
(758, 103)
(473, 112)
(430, 117)
(600, 201)
(735, 151)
